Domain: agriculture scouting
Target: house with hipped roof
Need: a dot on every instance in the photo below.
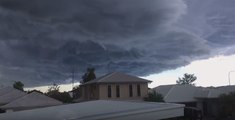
(203, 98)
(8, 94)
(115, 86)
(31, 101)
(12, 99)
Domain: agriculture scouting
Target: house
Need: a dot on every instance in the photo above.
(192, 96)
(30, 101)
(9, 94)
(115, 86)
(101, 110)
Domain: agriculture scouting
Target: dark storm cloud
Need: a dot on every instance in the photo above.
(44, 40)
(214, 20)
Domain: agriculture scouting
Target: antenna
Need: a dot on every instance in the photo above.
(73, 77)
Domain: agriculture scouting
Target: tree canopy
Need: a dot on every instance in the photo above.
(89, 75)
(18, 85)
(187, 79)
(154, 97)
(53, 92)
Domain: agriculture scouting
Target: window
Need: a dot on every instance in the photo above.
(109, 91)
(138, 90)
(117, 91)
(130, 91)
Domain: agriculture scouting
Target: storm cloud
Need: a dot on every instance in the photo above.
(42, 41)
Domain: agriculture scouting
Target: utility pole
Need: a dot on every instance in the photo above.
(73, 76)
(229, 76)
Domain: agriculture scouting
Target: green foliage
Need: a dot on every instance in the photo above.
(18, 85)
(154, 97)
(227, 105)
(89, 75)
(187, 79)
(53, 92)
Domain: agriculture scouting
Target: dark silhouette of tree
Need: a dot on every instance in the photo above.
(89, 75)
(53, 88)
(154, 97)
(76, 92)
(30, 91)
(227, 105)
(54, 92)
(18, 85)
(187, 79)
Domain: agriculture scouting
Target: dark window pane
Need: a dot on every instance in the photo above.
(138, 90)
(117, 91)
(109, 91)
(130, 91)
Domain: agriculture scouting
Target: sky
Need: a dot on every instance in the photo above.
(42, 42)
(209, 72)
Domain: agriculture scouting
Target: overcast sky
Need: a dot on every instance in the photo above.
(42, 41)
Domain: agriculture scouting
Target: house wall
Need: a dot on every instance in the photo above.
(90, 92)
(124, 91)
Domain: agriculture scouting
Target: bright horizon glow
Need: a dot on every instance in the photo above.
(210, 72)
(63, 87)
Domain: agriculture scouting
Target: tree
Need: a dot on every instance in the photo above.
(89, 75)
(18, 85)
(154, 97)
(53, 92)
(53, 88)
(187, 79)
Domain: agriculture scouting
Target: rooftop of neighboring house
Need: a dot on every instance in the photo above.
(118, 77)
(191, 93)
(31, 100)
(101, 109)
(9, 94)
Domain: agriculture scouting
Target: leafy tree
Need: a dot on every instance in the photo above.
(227, 105)
(187, 79)
(89, 75)
(53, 92)
(18, 85)
(154, 97)
(54, 88)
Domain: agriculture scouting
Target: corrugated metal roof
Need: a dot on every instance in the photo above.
(190, 93)
(100, 109)
(32, 100)
(177, 93)
(163, 89)
(207, 93)
(181, 93)
(117, 77)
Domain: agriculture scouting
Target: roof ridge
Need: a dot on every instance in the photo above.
(169, 92)
(106, 76)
